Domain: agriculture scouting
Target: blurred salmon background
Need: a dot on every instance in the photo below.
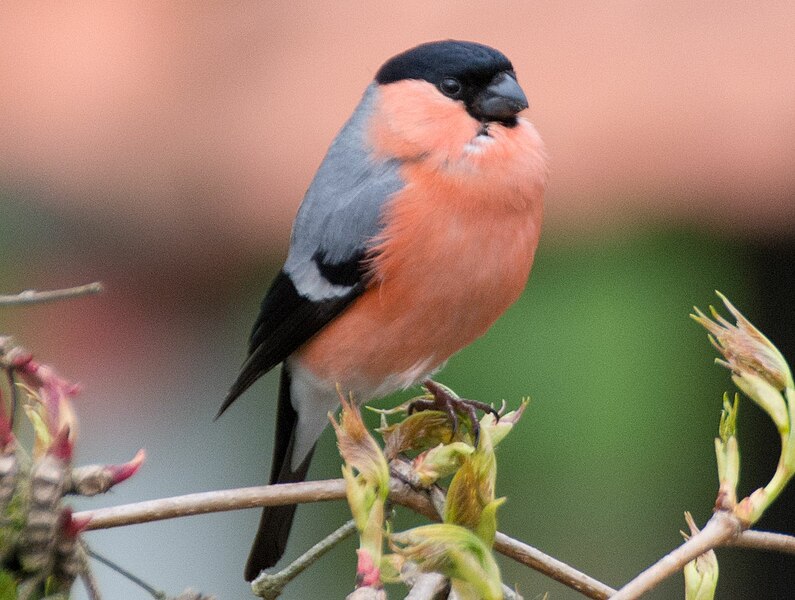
(163, 149)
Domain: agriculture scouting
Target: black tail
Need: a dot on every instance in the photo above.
(275, 522)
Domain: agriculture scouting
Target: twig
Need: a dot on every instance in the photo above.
(319, 491)
(722, 527)
(156, 594)
(764, 540)
(433, 586)
(269, 586)
(429, 586)
(551, 567)
(218, 501)
(240, 498)
(33, 297)
(423, 586)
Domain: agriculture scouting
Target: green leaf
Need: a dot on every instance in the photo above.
(472, 487)
(420, 431)
(455, 552)
(441, 461)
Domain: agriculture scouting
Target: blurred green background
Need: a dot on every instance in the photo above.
(163, 149)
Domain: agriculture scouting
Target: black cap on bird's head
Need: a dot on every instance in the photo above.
(477, 75)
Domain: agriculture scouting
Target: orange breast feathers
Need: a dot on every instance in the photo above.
(456, 249)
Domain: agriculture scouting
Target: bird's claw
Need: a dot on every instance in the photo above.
(451, 405)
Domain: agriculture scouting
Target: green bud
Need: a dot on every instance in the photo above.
(701, 574)
(486, 528)
(728, 417)
(419, 431)
(366, 475)
(472, 487)
(441, 461)
(745, 349)
(359, 450)
(499, 429)
(456, 553)
(766, 396)
(727, 454)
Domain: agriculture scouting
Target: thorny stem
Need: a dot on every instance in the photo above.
(29, 297)
(271, 585)
(722, 527)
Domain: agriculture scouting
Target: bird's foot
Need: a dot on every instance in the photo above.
(444, 400)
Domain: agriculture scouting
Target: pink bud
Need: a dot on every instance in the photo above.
(367, 573)
(61, 446)
(126, 470)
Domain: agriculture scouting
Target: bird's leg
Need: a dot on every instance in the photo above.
(445, 401)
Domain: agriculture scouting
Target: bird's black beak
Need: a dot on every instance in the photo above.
(501, 100)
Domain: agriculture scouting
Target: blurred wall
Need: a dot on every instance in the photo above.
(163, 148)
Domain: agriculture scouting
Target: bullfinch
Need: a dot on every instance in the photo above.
(416, 233)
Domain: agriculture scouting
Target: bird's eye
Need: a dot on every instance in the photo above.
(450, 87)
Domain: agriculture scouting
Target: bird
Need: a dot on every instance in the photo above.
(417, 232)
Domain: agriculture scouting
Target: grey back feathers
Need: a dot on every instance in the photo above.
(339, 217)
(342, 209)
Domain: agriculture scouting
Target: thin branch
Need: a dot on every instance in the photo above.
(270, 585)
(156, 594)
(424, 586)
(722, 527)
(318, 491)
(551, 567)
(33, 297)
(764, 540)
(429, 586)
(366, 593)
(209, 502)
(240, 498)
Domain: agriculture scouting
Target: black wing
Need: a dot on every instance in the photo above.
(286, 321)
